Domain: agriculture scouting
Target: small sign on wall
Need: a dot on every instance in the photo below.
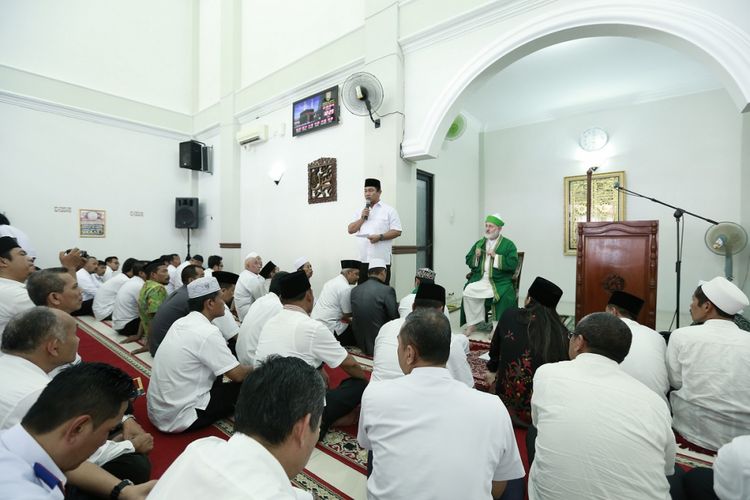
(92, 223)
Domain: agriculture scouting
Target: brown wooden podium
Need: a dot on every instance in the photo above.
(617, 256)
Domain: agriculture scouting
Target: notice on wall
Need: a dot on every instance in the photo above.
(92, 223)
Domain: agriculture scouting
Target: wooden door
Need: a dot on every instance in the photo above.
(617, 256)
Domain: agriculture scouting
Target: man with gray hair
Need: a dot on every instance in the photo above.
(56, 288)
(334, 306)
(249, 287)
(395, 426)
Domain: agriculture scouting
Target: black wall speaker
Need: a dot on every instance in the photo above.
(186, 213)
(191, 155)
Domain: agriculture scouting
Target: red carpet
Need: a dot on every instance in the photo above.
(167, 446)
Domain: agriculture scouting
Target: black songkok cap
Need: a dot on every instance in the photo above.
(294, 284)
(545, 292)
(350, 264)
(153, 266)
(8, 243)
(630, 303)
(267, 269)
(225, 277)
(370, 182)
(431, 291)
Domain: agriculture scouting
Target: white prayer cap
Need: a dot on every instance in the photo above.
(251, 255)
(300, 262)
(724, 294)
(376, 263)
(202, 287)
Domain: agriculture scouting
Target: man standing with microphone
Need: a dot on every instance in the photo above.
(376, 226)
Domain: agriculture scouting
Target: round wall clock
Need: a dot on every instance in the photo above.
(593, 139)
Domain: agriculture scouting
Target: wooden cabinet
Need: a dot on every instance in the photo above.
(617, 256)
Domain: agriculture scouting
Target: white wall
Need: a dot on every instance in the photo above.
(139, 49)
(684, 151)
(277, 221)
(207, 187)
(275, 34)
(457, 220)
(51, 160)
(209, 52)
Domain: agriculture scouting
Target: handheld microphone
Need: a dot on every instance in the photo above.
(367, 205)
(616, 185)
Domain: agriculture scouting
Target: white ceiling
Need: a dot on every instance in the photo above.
(585, 75)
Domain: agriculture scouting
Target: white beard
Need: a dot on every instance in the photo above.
(492, 235)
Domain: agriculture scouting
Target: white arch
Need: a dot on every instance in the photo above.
(706, 36)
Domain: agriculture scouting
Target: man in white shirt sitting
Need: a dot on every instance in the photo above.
(260, 312)
(186, 390)
(601, 433)
(292, 332)
(15, 267)
(709, 368)
(410, 425)
(277, 421)
(250, 285)
(113, 264)
(104, 302)
(303, 264)
(646, 360)
(56, 288)
(125, 317)
(215, 263)
(71, 418)
(334, 305)
(173, 261)
(175, 279)
(385, 360)
(88, 285)
(424, 275)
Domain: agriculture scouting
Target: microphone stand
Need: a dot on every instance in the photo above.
(678, 213)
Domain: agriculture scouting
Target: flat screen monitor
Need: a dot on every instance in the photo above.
(316, 111)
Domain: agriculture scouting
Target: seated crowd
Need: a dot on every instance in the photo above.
(595, 403)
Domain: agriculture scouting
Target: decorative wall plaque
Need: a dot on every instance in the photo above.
(92, 223)
(607, 203)
(321, 180)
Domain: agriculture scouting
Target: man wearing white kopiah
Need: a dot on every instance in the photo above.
(492, 260)
(424, 275)
(709, 368)
(376, 226)
(334, 306)
(187, 390)
(249, 287)
(303, 264)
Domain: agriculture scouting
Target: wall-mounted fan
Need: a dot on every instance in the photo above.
(727, 239)
(362, 94)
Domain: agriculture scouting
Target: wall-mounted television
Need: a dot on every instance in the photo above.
(316, 111)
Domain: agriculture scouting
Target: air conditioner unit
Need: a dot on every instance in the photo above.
(252, 135)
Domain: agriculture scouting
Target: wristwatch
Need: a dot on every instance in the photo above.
(118, 489)
(381, 237)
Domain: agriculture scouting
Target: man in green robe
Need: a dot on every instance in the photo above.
(492, 260)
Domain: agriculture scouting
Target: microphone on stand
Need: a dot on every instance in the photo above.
(367, 205)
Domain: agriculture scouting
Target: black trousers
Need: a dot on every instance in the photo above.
(364, 266)
(221, 404)
(131, 328)
(340, 401)
(133, 466)
(346, 338)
